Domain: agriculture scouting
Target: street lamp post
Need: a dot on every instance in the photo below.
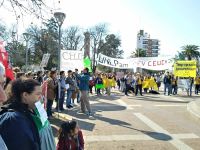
(27, 38)
(60, 17)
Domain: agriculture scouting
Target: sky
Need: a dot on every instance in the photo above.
(174, 22)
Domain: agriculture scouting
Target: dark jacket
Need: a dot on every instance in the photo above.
(167, 80)
(69, 80)
(99, 80)
(18, 129)
(84, 82)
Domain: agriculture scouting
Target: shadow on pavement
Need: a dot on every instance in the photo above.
(105, 97)
(150, 99)
(158, 136)
(154, 135)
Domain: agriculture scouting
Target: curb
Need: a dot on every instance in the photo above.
(62, 116)
(191, 108)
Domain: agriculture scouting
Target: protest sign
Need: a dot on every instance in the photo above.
(185, 68)
(151, 63)
(71, 60)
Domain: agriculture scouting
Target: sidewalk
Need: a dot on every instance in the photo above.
(194, 108)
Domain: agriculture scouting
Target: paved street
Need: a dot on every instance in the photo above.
(149, 122)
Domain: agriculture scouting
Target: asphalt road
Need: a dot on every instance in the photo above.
(149, 122)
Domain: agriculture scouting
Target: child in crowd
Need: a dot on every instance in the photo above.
(70, 137)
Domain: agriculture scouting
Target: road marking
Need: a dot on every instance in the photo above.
(170, 105)
(136, 105)
(185, 136)
(122, 103)
(136, 137)
(174, 141)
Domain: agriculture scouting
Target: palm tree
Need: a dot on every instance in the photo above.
(191, 51)
(138, 53)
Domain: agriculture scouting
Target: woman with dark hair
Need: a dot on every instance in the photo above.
(17, 126)
(70, 137)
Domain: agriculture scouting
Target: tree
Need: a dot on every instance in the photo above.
(3, 32)
(72, 38)
(28, 7)
(44, 41)
(16, 51)
(191, 51)
(180, 56)
(110, 47)
(138, 53)
(97, 34)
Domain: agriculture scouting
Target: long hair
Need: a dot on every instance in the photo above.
(66, 129)
(18, 87)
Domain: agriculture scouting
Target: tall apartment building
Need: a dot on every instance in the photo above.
(151, 46)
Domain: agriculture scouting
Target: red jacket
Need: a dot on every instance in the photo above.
(70, 144)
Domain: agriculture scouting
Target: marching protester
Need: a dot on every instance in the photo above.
(76, 89)
(158, 81)
(70, 137)
(197, 85)
(91, 84)
(146, 84)
(84, 88)
(189, 82)
(138, 84)
(99, 84)
(62, 90)
(167, 83)
(128, 80)
(174, 85)
(51, 91)
(70, 89)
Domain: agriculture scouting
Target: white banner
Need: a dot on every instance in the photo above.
(71, 60)
(151, 63)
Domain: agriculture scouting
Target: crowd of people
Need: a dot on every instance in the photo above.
(27, 101)
(26, 107)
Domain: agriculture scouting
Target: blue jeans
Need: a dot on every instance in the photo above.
(69, 97)
(189, 91)
(49, 107)
(167, 87)
(61, 101)
(78, 97)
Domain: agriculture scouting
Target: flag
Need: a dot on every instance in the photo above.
(87, 63)
(4, 60)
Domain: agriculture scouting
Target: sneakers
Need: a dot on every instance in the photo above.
(89, 114)
(80, 112)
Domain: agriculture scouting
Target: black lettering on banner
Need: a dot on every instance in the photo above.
(125, 65)
(116, 62)
(108, 61)
(100, 59)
